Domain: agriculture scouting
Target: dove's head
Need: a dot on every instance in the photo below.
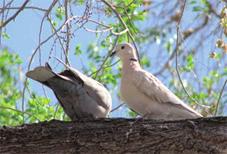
(125, 51)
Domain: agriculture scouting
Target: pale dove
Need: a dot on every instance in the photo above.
(145, 94)
(80, 96)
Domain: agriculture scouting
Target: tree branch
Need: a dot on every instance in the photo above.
(14, 16)
(198, 136)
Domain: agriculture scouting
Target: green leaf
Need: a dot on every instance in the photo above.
(5, 36)
(193, 2)
(132, 114)
(197, 8)
(169, 46)
(80, 2)
(60, 12)
(78, 51)
(207, 82)
(224, 72)
(9, 93)
(145, 61)
(204, 2)
(189, 63)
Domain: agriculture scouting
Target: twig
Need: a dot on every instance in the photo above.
(60, 61)
(177, 48)
(105, 67)
(21, 112)
(14, 16)
(219, 98)
(212, 10)
(40, 33)
(41, 25)
(124, 25)
(32, 57)
(97, 31)
(67, 34)
(117, 107)
(26, 7)
(106, 30)
(119, 33)
(5, 5)
(56, 110)
(36, 50)
(57, 35)
(2, 19)
(106, 58)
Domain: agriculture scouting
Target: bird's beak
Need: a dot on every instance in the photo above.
(113, 53)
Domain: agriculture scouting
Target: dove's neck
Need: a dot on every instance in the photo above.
(130, 64)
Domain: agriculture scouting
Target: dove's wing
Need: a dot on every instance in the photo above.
(95, 89)
(150, 86)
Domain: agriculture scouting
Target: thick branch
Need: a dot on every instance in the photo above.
(207, 135)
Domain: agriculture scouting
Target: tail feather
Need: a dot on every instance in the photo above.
(41, 74)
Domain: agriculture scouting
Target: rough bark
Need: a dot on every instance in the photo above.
(205, 135)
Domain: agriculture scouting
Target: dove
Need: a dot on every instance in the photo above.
(146, 94)
(80, 96)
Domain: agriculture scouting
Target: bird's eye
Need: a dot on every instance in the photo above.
(122, 47)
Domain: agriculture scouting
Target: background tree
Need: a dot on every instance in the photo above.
(182, 43)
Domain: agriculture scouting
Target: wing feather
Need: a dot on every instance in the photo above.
(153, 88)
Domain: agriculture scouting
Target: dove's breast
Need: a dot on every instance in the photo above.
(129, 94)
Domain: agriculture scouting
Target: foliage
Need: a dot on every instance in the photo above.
(38, 108)
(9, 94)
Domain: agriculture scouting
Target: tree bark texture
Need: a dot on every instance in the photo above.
(204, 135)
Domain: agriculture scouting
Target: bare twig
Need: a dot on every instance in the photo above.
(67, 33)
(219, 98)
(124, 25)
(56, 110)
(36, 50)
(40, 33)
(2, 20)
(41, 43)
(176, 53)
(26, 7)
(212, 10)
(114, 63)
(14, 16)
(106, 30)
(57, 35)
(22, 112)
(30, 62)
(60, 61)
(114, 109)
(106, 58)
(41, 25)
(186, 35)
(5, 5)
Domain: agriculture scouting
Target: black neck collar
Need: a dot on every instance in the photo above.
(133, 59)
